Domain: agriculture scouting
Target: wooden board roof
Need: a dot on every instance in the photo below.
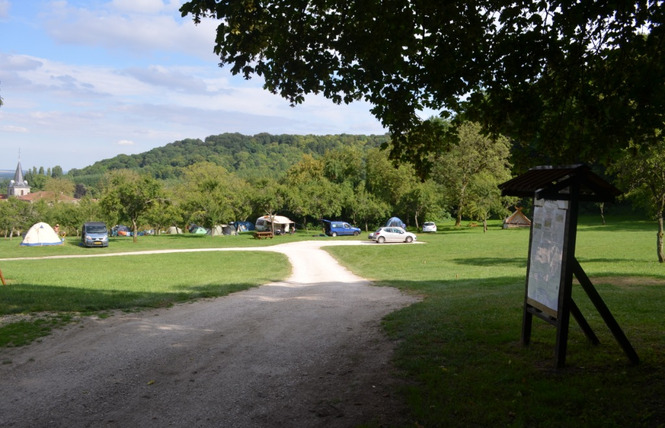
(553, 182)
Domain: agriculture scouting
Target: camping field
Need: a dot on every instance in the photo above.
(459, 349)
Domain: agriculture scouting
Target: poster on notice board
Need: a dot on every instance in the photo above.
(545, 260)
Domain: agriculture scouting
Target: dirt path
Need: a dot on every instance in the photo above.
(306, 352)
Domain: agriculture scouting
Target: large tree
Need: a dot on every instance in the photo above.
(572, 79)
(641, 170)
(474, 156)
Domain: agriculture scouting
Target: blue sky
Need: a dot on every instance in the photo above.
(86, 80)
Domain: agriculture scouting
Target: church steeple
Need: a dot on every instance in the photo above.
(18, 186)
(18, 175)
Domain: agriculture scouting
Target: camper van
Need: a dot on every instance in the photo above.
(94, 234)
(274, 223)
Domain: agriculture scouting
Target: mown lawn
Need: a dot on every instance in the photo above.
(458, 349)
(58, 289)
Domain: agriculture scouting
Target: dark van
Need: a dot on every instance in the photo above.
(94, 234)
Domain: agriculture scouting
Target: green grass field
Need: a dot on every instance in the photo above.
(458, 349)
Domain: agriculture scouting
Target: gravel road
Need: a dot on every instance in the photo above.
(305, 352)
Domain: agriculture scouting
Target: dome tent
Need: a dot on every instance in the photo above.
(41, 234)
(174, 230)
(395, 222)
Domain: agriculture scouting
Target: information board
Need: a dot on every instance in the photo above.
(547, 241)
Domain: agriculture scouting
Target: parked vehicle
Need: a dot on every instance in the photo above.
(341, 228)
(277, 224)
(429, 226)
(94, 234)
(392, 234)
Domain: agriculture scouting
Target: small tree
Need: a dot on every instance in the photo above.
(485, 197)
(206, 195)
(163, 214)
(128, 196)
(423, 199)
(59, 187)
(15, 215)
(366, 207)
(269, 197)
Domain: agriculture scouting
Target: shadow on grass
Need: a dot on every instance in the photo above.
(460, 348)
(519, 262)
(26, 298)
(622, 226)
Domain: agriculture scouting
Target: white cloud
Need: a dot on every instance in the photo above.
(169, 78)
(139, 6)
(4, 8)
(19, 62)
(125, 143)
(10, 128)
(147, 26)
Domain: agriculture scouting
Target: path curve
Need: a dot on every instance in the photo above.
(304, 352)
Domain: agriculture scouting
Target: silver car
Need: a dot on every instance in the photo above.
(429, 226)
(392, 234)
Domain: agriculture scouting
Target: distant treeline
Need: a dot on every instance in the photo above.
(250, 157)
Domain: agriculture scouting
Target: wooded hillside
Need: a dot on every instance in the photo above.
(250, 157)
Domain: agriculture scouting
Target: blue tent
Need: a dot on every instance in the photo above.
(243, 226)
(395, 222)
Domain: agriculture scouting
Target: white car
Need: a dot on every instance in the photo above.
(392, 234)
(429, 226)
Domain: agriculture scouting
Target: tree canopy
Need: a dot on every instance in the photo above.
(258, 156)
(566, 78)
(641, 171)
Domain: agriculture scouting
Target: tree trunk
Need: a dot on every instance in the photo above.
(135, 230)
(484, 225)
(602, 212)
(461, 202)
(659, 240)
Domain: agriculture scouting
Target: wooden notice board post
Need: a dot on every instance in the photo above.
(557, 192)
